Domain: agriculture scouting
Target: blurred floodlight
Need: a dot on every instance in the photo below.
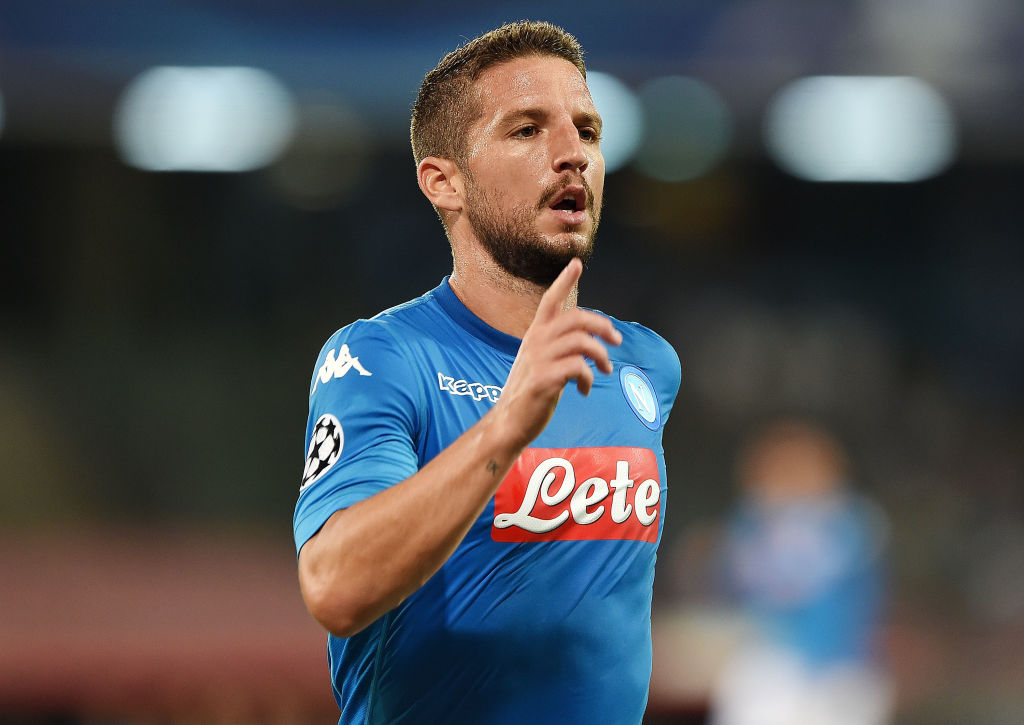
(688, 128)
(203, 119)
(861, 128)
(622, 116)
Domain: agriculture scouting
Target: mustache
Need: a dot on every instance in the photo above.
(555, 189)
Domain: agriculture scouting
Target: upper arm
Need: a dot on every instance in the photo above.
(362, 426)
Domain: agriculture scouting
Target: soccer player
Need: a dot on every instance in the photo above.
(484, 489)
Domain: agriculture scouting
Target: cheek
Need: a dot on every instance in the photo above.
(596, 182)
(520, 184)
(519, 179)
(595, 170)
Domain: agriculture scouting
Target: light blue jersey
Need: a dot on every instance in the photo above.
(542, 614)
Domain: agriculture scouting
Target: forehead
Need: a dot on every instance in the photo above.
(536, 80)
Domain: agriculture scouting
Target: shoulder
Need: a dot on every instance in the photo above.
(643, 342)
(388, 333)
(649, 351)
(358, 345)
(650, 354)
(378, 349)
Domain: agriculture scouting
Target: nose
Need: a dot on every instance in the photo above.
(569, 152)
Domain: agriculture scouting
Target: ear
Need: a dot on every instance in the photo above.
(440, 182)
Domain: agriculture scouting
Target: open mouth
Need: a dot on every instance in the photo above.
(571, 199)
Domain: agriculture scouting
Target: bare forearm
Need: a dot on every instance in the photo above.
(368, 558)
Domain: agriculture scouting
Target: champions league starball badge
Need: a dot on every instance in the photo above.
(639, 393)
(324, 448)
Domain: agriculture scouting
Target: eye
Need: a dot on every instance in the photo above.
(526, 132)
(589, 135)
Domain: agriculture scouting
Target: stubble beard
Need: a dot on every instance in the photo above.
(513, 241)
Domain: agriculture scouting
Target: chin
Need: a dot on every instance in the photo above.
(575, 236)
(576, 241)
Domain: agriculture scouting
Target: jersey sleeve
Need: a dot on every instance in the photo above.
(364, 408)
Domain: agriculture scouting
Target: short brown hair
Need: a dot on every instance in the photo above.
(444, 108)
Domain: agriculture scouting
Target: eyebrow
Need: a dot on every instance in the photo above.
(593, 119)
(585, 118)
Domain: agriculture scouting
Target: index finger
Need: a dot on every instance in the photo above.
(554, 299)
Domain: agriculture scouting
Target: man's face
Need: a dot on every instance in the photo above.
(534, 171)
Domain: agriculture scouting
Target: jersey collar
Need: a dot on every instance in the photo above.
(472, 324)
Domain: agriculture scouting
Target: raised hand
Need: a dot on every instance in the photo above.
(554, 351)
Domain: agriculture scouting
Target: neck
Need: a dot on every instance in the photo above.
(504, 302)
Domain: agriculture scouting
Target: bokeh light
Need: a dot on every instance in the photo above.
(689, 128)
(861, 128)
(622, 116)
(203, 119)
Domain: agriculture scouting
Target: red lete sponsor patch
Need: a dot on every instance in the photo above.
(574, 494)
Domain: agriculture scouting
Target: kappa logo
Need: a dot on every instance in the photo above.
(577, 494)
(337, 367)
(477, 391)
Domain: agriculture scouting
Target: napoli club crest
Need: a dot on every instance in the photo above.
(639, 393)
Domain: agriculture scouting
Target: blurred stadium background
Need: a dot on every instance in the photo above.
(814, 202)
